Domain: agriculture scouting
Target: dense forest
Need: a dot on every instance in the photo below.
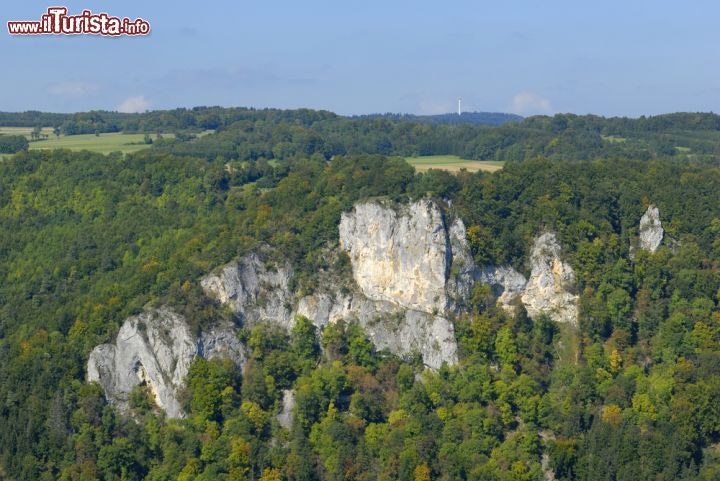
(266, 135)
(630, 394)
(204, 118)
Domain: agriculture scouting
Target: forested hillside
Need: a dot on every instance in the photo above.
(250, 134)
(630, 393)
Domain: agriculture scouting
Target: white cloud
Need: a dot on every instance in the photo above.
(530, 103)
(134, 104)
(73, 89)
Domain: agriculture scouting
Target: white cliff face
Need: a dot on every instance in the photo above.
(433, 337)
(548, 290)
(402, 256)
(155, 349)
(410, 269)
(253, 291)
(508, 283)
(651, 230)
(325, 308)
(400, 331)
(285, 416)
(221, 342)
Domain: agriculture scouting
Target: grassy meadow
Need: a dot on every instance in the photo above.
(452, 163)
(103, 143)
(26, 131)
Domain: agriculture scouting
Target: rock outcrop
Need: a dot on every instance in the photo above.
(285, 416)
(399, 254)
(400, 331)
(253, 291)
(412, 273)
(507, 283)
(401, 259)
(651, 232)
(549, 289)
(155, 349)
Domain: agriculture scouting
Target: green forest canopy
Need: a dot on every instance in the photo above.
(87, 239)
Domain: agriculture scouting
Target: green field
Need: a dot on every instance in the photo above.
(452, 163)
(614, 139)
(26, 131)
(103, 143)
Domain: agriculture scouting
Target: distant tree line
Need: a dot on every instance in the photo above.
(195, 119)
(249, 134)
(470, 118)
(690, 137)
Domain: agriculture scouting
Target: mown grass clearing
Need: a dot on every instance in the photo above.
(613, 139)
(452, 163)
(26, 131)
(103, 143)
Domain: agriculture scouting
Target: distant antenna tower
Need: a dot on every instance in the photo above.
(459, 106)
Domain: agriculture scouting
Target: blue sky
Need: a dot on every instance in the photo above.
(352, 57)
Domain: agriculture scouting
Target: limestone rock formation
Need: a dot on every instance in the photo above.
(400, 331)
(651, 231)
(325, 308)
(156, 348)
(414, 331)
(409, 267)
(253, 291)
(284, 417)
(508, 284)
(221, 342)
(401, 261)
(401, 254)
(548, 290)
(412, 273)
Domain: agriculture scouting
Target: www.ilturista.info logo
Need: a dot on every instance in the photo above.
(57, 22)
